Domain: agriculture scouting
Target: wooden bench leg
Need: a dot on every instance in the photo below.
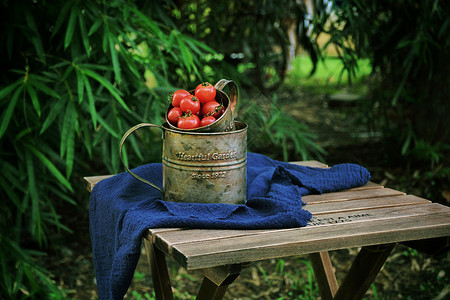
(363, 271)
(160, 274)
(210, 291)
(324, 273)
(216, 281)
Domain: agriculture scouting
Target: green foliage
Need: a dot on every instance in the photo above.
(251, 35)
(76, 75)
(408, 45)
(271, 125)
(295, 282)
(329, 76)
(146, 296)
(21, 275)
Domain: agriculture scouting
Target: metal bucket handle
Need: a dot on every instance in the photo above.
(131, 130)
(233, 92)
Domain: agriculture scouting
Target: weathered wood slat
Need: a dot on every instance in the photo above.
(310, 163)
(310, 239)
(166, 241)
(91, 181)
(370, 203)
(351, 195)
(152, 232)
(369, 185)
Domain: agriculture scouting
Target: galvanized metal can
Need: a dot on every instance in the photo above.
(201, 167)
(226, 121)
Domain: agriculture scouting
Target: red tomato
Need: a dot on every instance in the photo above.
(199, 114)
(188, 122)
(174, 114)
(207, 120)
(205, 92)
(177, 96)
(212, 108)
(190, 104)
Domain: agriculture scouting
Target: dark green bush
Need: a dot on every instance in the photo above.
(75, 76)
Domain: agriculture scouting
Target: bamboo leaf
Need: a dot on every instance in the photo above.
(54, 219)
(95, 67)
(51, 167)
(18, 278)
(84, 35)
(135, 146)
(70, 27)
(6, 270)
(66, 73)
(105, 38)
(34, 195)
(109, 128)
(7, 90)
(115, 59)
(407, 142)
(86, 138)
(34, 99)
(11, 194)
(66, 128)
(185, 54)
(70, 155)
(62, 195)
(194, 44)
(35, 37)
(42, 87)
(23, 133)
(114, 155)
(91, 99)
(114, 92)
(59, 65)
(62, 16)
(8, 113)
(129, 61)
(150, 25)
(80, 85)
(45, 79)
(95, 26)
(125, 155)
(55, 111)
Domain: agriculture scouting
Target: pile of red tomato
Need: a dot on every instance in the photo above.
(192, 111)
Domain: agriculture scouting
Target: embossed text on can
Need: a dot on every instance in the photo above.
(205, 167)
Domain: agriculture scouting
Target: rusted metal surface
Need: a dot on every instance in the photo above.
(201, 167)
(205, 167)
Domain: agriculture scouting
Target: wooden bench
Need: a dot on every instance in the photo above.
(371, 217)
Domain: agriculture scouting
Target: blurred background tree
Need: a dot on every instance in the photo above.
(408, 45)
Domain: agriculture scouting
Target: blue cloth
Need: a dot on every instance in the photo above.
(122, 209)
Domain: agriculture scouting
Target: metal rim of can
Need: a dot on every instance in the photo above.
(242, 127)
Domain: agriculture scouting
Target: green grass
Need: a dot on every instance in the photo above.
(329, 76)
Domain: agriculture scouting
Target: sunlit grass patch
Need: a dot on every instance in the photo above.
(329, 76)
